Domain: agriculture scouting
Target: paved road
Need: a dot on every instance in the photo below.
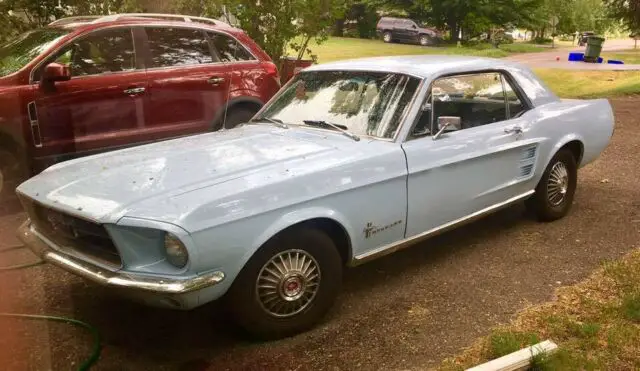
(405, 311)
(548, 59)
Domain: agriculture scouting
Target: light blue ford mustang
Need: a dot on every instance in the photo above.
(348, 162)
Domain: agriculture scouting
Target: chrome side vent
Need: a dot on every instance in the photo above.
(527, 162)
(529, 153)
(526, 170)
(35, 126)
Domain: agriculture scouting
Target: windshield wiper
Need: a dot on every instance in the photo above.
(276, 122)
(340, 128)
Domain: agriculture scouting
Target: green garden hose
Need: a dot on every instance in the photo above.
(95, 352)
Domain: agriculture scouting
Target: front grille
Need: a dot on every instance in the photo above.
(75, 234)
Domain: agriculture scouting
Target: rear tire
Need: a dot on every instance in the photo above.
(270, 304)
(386, 37)
(235, 117)
(554, 193)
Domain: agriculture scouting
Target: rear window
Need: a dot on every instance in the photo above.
(171, 46)
(229, 49)
(18, 53)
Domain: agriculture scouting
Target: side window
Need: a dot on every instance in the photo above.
(515, 105)
(98, 53)
(477, 99)
(229, 49)
(177, 47)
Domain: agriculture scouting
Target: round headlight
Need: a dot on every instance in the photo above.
(177, 254)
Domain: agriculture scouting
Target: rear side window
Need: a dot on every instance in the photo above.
(229, 49)
(177, 47)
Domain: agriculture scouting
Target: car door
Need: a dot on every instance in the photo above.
(102, 106)
(485, 163)
(413, 31)
(187, 81)
(400, 29)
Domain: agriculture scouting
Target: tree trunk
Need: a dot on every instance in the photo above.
(303, 49)
(338, 28)
(455, 30)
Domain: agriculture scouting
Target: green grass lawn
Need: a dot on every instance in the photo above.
(596, 325)
(590, 84)
(631, 56)
(337, 48)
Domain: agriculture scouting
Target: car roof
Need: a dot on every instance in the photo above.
(83, 26)
(430, 66)
(422, 66)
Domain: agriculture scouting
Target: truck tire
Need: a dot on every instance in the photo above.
(554, 193)
(288, 285)
(235, 117)
(425, 40)
(387, 37)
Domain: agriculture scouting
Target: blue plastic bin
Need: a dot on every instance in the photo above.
(576, 57)
(613, 61)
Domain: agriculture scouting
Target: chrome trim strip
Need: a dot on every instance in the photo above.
(399, 245)
(159, 285)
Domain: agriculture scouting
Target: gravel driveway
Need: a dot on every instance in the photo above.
(406, 311)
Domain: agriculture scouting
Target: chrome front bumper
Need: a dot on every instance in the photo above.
(159, 285)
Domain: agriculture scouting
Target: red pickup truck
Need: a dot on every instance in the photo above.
(97, 84)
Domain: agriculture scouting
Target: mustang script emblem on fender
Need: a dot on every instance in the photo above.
(371, 229)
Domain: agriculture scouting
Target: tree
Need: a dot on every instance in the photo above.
(627, 12)
(274, 24)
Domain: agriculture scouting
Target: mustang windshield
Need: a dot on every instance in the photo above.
(17, 53)
(365, 103)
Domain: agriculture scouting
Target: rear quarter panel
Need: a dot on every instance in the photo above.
(553, 125)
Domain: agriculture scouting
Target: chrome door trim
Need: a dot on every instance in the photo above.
(399, 245)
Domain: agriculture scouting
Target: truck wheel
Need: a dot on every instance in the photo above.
(425, 40)
(10, 174)
(554, 194)
(288, 285)
(387, 37)
(235, 117)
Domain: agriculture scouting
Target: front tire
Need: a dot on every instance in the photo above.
(554, 193)
(425, 40)
(288, 285)
(11, 174)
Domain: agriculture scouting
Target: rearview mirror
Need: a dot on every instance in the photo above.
(452, 123)
(56, 72)
(449, 122)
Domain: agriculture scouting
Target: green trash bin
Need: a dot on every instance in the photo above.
(594, 47)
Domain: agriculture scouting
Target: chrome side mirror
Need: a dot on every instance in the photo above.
(452, 123)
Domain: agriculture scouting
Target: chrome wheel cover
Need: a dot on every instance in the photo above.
(387, 37)
(424, 40)
(558, 184)
(288, 283)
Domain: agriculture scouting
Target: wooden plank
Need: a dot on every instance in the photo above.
(516, 360)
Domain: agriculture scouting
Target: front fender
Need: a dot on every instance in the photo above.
(296, 217)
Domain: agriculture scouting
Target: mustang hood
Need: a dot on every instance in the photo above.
(103, 187)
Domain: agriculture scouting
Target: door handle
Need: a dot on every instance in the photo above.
(215, 80)
(513, 129)
(134, 91)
